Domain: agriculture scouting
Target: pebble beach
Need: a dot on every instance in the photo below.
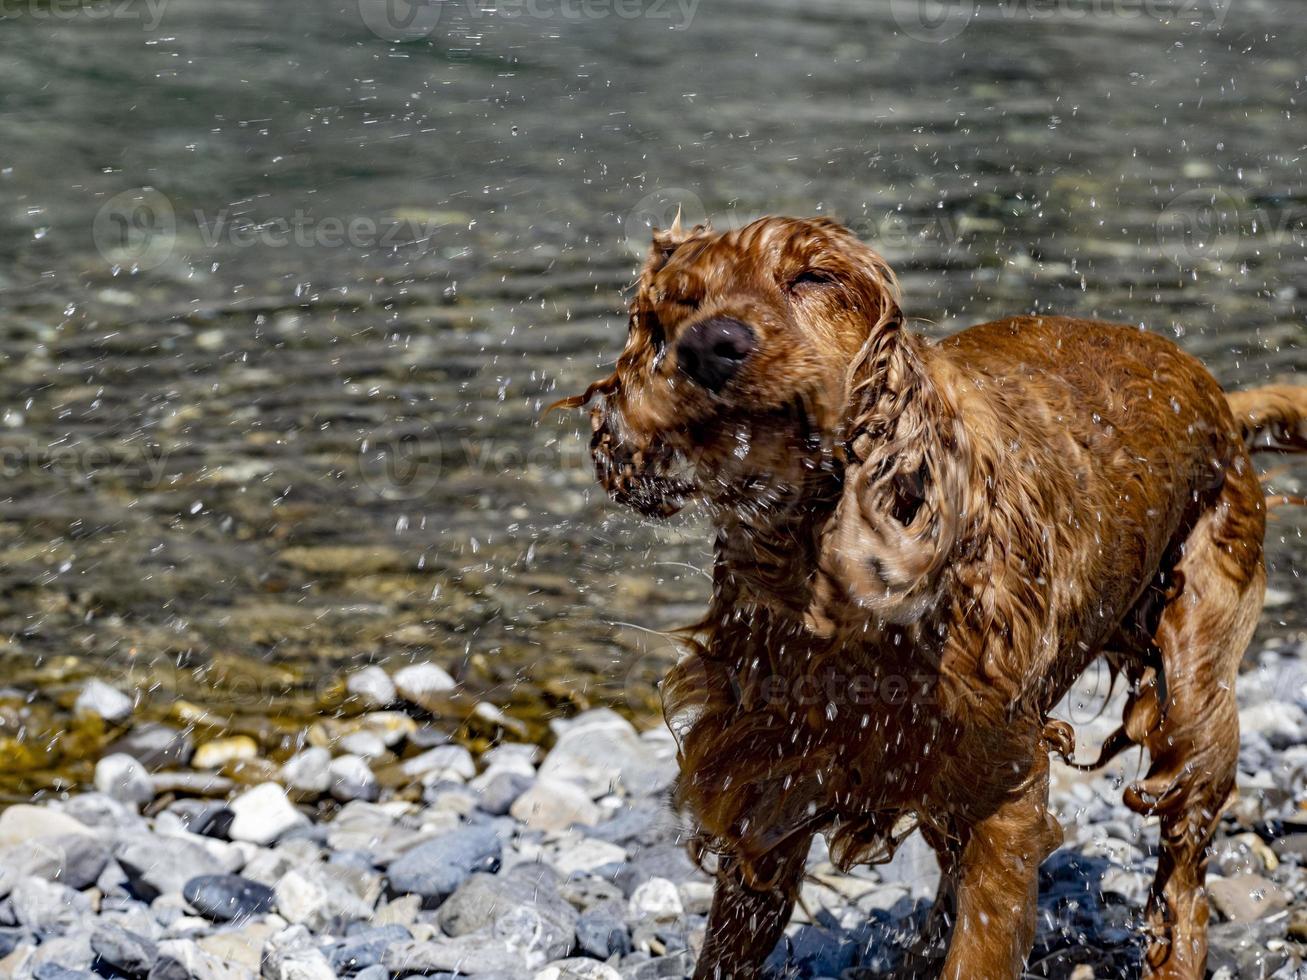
(383, 849)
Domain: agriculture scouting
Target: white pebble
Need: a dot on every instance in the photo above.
(657, 898)
(263, 814)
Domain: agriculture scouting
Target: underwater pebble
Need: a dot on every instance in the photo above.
(371, 687)
(418, 681)
(109, 703)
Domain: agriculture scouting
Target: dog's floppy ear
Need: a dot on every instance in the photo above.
(886, 547)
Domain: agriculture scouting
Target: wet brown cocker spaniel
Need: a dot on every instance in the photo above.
(919, 546)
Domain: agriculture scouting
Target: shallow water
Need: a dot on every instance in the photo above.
(276, 414)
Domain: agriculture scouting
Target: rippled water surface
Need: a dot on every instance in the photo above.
(281, 300)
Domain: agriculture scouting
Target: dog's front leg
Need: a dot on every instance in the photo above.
(998, 883)
(745, 922)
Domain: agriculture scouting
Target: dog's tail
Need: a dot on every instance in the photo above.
(1272, 419)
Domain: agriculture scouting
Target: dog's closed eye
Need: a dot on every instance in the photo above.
(809, 279)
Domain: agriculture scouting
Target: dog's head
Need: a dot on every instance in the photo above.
(736, 378)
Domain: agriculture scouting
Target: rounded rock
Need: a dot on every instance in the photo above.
(308, 771)
(578, 968)
(98, 698)
(263, 814)
(554, 804)
(219, 752)
(227, 898)
(435, 868)
(657, 898)
(350, 778)
(371, 687)
(418, 681)
(122, 778)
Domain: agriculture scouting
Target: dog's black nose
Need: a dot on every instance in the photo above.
(712, 351)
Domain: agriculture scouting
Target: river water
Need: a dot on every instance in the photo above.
(284, 286)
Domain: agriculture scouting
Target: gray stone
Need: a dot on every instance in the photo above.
(365, 948)
(522, 757)
(599, 749)
(601, 930)
(657, 898)
(371, 687)
(360, 826)
(575, 854)
(183, 959)
(54, 971)
(48, 908)
(122, 778)
(364, 744)
(437, 867)
(501, 790)
(101, 812)
(227, 898)
(293, 955)
(127, 952)
(476, 956)
(324, 896)
(62, 957)
(155, 746)
(308, 771)
(667, 860)
(263, 814)
(425, 737)
(109, 703)
(75, 860)
(450, 798)
(350, 778)
(554, 804)
(484, 900)
(578, 969)
(445, 760)
(1246, 897)
(158, 865)
(22, 822)
(1243, 949)
(1282, 723)
(11, 939)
